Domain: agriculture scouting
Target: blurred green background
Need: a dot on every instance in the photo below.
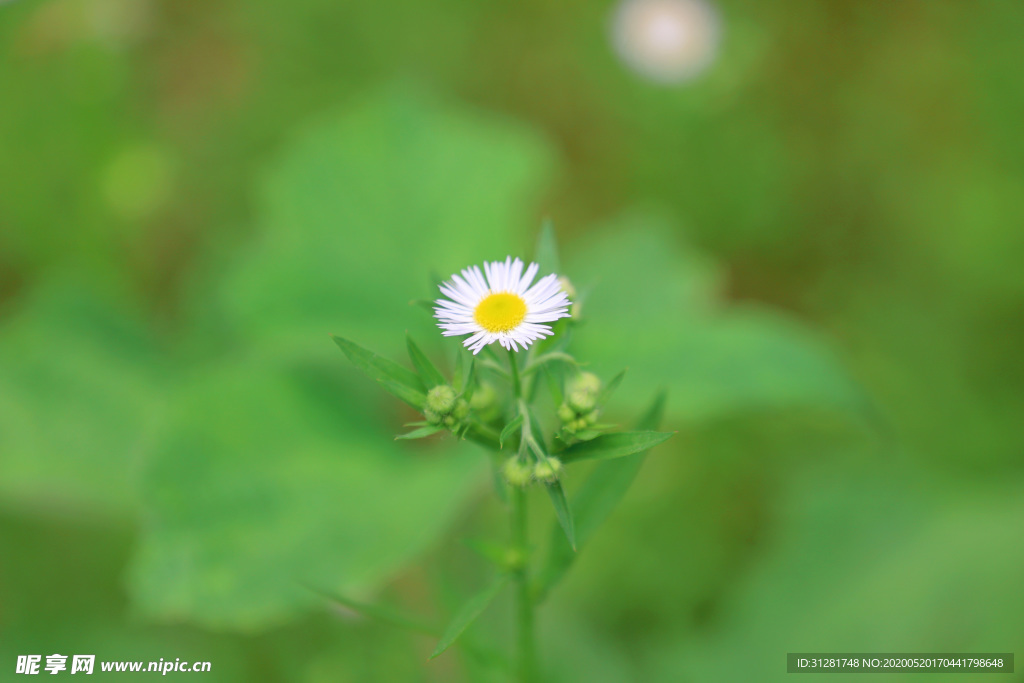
(814, 245)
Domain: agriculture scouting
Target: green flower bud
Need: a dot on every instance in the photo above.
(484, 398)
(580, 424)
(566, 285)
(461, 410)
(586, 381)
(441, 399)
(517, 472)
(450, 421)
(548, 470)
(565, 413)
(582, 401)
(432, 417)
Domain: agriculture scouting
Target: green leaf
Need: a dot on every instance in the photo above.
(546, 253)
(421, 433)
(510, 429)
(613, 446)
(401, 382)
(609, 389)
(451, 166)
(562, 511)
(716, 358)
(469, 386)
(388, 615)
(473, 608)
(600, 493)
(430, 375)
(458, 376)
(257, 481)
(81, 389)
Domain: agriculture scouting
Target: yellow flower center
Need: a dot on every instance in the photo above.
(500, 312)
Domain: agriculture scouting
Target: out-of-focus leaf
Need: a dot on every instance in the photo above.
(259, 482)
(918, 570)
(600, 493)
(609, 389)
(473, 608)
(390, 375)
(397, 172)
(659, 309)
(430, 375)
(510, 429)
(80, 392)
(546, 253)
(422, 432)
(614, 445)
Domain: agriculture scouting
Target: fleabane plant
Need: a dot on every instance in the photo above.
(495, 398)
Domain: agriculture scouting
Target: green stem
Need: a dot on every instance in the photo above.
(517, 387)
(527, 656)
(527, 667)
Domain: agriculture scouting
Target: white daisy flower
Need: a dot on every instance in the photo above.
(504, 308)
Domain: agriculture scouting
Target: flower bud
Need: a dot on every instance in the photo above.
(432, 417)
(570, 291)
(565, 413)
(484, 398)
(548, 470)
(461, 410)
(517, 472)
(441, 399)
(582, 401)
(566, 285)
(586, 381)
(450, 421)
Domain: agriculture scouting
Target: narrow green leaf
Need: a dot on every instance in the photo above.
(430, 374)
(546, 253)
(600, 493)
(421, 433)
(383, 613)
(613, 446)
(425, 304)
(469, 388)
(414, 398)
(562, 511)
(399, 381)
(472, 609)
(609, 389)
(458, 376)
(510, 429)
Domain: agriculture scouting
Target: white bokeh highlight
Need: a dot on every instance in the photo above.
(668, 41)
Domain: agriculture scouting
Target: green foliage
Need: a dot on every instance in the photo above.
(429, 374)
(259, 484)
(601, 492)
(395, 173)
(393, 377)
(615, 445)
(716, 361)
(473, 608)
(79, 395)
